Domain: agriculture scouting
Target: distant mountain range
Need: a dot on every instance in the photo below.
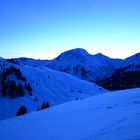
(81, 64)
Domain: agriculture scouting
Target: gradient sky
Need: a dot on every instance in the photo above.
(44, 28)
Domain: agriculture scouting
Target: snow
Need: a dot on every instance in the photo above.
(108, 116)
(48, 86)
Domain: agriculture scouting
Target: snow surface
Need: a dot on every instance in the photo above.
(108, 116)
(48, 86)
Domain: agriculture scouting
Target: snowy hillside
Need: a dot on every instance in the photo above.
(108, 116)
(47, 86)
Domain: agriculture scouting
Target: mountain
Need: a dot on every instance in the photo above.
(24, 85)
(114, 116)
(77, 62)
(125, 77)
(112, 74)
(80, 63)
(132, 60)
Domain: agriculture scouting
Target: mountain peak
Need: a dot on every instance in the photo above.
(78, 53)
(100, 55)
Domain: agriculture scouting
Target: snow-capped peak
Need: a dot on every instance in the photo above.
(99, 54)
(80, 63)
(77, 53)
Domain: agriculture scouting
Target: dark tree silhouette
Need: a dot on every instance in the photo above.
(4, 76)
(28, 87)
(20, 90)
(83, 72)
(12, 89)
(22, 110)
(4, 88)
(36, 99)
(45, 105)
(121, 79)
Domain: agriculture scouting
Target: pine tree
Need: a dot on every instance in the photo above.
(45, 105)
(12, 89)
(22, 110)
(20, 91)
(4, 88)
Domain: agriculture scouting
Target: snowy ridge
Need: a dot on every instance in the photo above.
(29, 61)
(133, 62)
(135, 59)
(114, 116)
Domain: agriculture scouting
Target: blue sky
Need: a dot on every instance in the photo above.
(44, 28)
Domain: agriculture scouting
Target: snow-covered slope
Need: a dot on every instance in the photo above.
(109, 116)
(47, 85)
